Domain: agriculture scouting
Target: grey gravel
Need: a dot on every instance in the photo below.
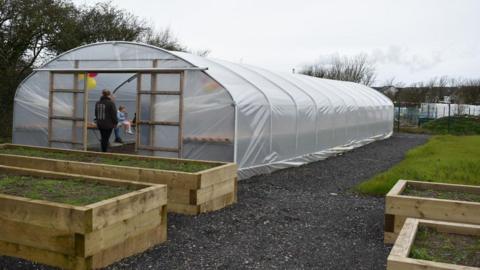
(299, 218)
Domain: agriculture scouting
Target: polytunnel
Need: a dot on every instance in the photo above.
(194, 107)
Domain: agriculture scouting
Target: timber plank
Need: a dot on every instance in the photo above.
(214, 191)
(217, 174)
(218, 203)
(180, 180)
(128, 205)
(131, 246)
(405, 240)
(181, 196)
(438, 209)
(403, 206)
(37, 237)
(399, 255)
(186, 209)
(38, 255)
(107, 237)
(46, 214)
(212, 205)
(397, 188)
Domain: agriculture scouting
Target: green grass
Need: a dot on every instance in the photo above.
(5, 140)
(445, 158)
(459, 125)
(120, 161)
(74, 192)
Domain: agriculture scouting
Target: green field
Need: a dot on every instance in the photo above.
(445, 158)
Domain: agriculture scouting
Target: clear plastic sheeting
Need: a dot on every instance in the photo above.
(260, 119)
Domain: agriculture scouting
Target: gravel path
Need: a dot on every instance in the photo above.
(300, 218)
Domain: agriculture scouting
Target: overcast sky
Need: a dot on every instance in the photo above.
(411, 40)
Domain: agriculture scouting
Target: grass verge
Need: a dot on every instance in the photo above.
(445, 158)
(120, 161)
(74, 192)
(459, 125)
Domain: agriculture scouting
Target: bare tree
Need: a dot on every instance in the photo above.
(469, 91)
(461, 91)
(357, 69)
(392, 81)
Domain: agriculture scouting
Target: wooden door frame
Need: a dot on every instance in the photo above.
(77, 71)
(74, 91)
(153, 92)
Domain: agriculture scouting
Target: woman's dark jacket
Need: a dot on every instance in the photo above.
(106, 113)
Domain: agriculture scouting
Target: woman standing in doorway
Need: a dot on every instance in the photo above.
(106, 116)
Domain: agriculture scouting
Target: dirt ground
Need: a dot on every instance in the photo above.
(299, 218)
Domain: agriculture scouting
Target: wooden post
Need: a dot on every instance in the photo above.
(50, 108)
(153, 98)
(137, 133)
(180, 115)
(85, 112)
(75, 97)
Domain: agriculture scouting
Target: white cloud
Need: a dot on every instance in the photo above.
(402, 56)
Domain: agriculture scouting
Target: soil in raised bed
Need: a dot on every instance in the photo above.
(69, 191)
(120, 161)
(441, 194)
(432, 245)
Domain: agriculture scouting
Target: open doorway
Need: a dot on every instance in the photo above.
(123, 89)
(153, 98)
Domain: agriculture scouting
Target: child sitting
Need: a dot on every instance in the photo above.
(122, 119)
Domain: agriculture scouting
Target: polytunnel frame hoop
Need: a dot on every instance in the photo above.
(267, 99)
(289, 96)
(119, 70)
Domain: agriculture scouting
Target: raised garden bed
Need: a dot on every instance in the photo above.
(76, 222)
(436, 245)
(435, 201)
(193, 186)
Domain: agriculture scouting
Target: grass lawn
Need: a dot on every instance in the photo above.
(445, 158)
